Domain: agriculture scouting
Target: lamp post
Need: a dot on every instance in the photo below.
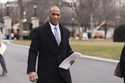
(7, 21)
(75, 31)
(21, 9)
(34, 19)
(7, 9)
(118, 17)
(34, 8)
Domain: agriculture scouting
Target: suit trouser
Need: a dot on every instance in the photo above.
(3, 65)
(124, 78)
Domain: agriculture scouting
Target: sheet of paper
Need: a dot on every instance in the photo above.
(3, 48)
(67, 62)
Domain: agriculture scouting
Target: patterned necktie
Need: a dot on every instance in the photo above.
(56, 33)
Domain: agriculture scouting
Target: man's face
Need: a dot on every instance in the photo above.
(55, 16)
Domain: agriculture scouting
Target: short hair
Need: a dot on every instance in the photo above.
(54, 8)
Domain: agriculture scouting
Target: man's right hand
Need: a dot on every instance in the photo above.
(33, 76)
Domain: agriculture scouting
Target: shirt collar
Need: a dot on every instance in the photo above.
(53, 26)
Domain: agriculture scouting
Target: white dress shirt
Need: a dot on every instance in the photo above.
(58, 31)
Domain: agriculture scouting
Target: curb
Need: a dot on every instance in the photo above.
(18, 45)
(9, 42)
(100, 59)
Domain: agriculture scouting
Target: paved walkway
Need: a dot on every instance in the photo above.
(85, 70)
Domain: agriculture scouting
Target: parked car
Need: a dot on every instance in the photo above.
(99, 33)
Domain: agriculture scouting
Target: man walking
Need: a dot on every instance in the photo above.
(2, 61)
(50, 43)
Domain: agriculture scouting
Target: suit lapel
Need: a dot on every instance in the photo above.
(62, 35)
(51, 35)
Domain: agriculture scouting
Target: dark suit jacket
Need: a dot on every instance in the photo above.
(50, 55)
(122, 60)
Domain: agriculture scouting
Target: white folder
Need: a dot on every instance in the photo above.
(66, 64)
(3, 48)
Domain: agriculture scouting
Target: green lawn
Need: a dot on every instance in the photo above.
(100, 48)
(106, 49)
